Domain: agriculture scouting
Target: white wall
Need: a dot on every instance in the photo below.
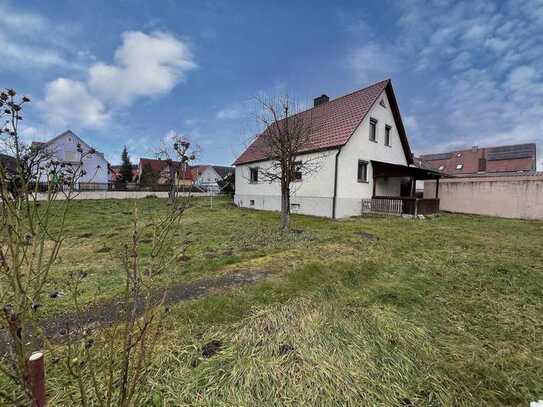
(208, 178)
(64, 148)
(359, 147)
(314, 193)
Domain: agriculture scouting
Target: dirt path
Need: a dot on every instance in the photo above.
(107, 313)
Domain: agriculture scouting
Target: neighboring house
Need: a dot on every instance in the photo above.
(208, 176)
(64, 149)
(501, 159)
(115, 171)
(365, 161)
(496, 181)
(157, 172)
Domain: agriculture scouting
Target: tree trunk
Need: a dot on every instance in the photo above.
(285, 198)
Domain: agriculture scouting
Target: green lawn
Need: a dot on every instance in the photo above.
(445, 311)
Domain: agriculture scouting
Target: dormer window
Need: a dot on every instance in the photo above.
(441, 167)
(459, 166)
(459, 154)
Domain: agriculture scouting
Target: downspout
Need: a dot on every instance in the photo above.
(334, 199)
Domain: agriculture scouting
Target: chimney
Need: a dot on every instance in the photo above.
(474, 148)
(322, 99)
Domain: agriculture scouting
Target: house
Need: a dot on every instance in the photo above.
(208, 176)
(64, 148)
(365, 162)
(501, 159)
(157, 172)
(496, 181)
(115, 171)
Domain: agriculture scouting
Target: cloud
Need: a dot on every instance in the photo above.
(68, 102)
(29, 41)
(477, 66)
(232, 112)
(373, 62)
(145, 65)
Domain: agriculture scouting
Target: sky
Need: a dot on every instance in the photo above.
(136, 72)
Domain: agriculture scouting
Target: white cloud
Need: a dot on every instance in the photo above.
(68, 102)
(373, 62)
(232, 112)
(145, 65)
(476, 64)
(29, 41)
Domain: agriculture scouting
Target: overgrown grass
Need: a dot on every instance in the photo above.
(446, 311)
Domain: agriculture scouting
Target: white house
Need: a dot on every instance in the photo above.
(208, 176)
(64, 148)
(365, 161)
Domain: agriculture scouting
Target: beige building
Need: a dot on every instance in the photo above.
(506, 195)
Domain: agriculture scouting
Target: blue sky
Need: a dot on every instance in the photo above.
(136, 72)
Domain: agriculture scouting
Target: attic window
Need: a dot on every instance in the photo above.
(459, 154)
(382, 103)
(459, 166)
(441, 167)
(373, 129)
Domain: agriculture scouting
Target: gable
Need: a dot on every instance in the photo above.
(334, 122)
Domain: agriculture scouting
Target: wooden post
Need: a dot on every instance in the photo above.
(413, 186)
(36, 370)
(437, 188)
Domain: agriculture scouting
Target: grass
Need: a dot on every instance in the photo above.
(446, 311)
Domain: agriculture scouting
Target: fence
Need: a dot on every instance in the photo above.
(399, 206)
(98, 186)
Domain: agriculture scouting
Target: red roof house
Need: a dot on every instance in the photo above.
(502, 159)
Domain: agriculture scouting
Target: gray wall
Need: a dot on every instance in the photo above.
(518, 197)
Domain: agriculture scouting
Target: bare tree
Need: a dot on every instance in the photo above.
(285, 142)
(178, 157)
(32, 233)
(112, 364)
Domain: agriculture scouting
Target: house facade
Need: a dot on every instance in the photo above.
(208, 176)
(64, 148)
(363, 155)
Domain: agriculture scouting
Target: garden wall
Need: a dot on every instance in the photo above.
(123, 194)
(515, 196)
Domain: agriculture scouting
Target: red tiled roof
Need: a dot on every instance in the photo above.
(334, 122)
(159, 165)
(511, 158)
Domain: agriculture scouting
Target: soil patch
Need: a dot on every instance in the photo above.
(110, 312)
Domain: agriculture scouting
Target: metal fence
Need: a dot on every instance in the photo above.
(97, 186)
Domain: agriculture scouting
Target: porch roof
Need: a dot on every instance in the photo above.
(382, 169)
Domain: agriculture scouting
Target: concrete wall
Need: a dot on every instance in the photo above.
(122, 195)
(518, 197)
(314, 194)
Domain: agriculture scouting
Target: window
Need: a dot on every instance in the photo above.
(252, 202)
(482, 164)
(362, 171)
(459, 166)
(441, 167)
(253, 179)
(297, 171)
(459, 154)
(70, 156)
(387, 135)
(295, 206)
(382, 103)
(373, 130)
